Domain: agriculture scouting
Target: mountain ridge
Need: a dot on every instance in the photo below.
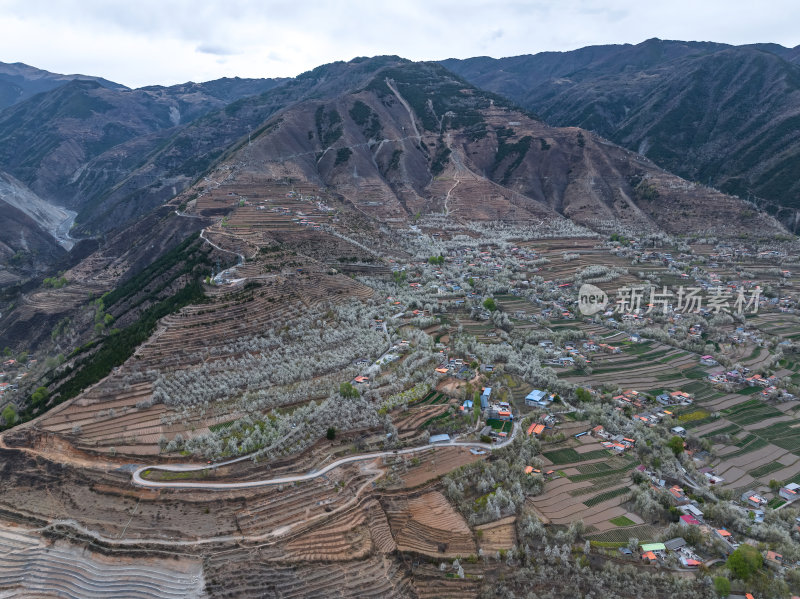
(714, 113)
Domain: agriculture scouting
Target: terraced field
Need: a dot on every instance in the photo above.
(243, 575)
(639, 367)
(428, 524)
(568, 455)
(592, 486)
(31, 567)
(750, 412)
(498, 535)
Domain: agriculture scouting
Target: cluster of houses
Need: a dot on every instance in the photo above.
(615, 443)
(547, 474)
(743, 378)
(566, 356)
(656, 552)
(753, 500)
(472, 263)
(691, 515)
(455, 367)
(638, 400)
(712, 477)
(499, 411)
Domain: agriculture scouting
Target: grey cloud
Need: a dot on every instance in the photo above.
(216, 50)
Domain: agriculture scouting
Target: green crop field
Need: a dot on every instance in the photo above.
(765, 469)
(751, 411)
(593, 468)
(597, 499)
(731, 429)
(581, 477)
(698, 422)
(694, 415)
(749, 391)
(220, 426)
(750, 443)
(622, 521)
(568, 455)
(695, 373)
(785, 435)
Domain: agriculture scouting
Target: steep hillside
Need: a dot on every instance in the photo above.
(113, 155)
(25, 247)
(417, 139)
(50, 140)
(716, 114)
(56, 220)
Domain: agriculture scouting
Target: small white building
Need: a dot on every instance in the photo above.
(678, 430)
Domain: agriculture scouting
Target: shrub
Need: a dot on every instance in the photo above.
(745, 561)
(676, 445)
(722, 585)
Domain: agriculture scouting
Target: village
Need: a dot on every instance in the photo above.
(657, 429)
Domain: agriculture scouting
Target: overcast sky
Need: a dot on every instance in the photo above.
(142, 42)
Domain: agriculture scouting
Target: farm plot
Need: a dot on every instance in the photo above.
(237, 574)
(559, 505)
(34, 568)
(592, 491)
(498, 535)
(428, 524)
(423, 467)
(660, 366)
(751, 411)
(568, 455)
(785, 435)
(736, 468)
(605, 496)
(351, 535)
(618, 537)
(278, 507)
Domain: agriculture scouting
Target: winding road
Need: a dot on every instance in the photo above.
(138, 480)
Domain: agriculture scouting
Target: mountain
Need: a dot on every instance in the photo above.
(723, 115)
(415, 138)
(19, 81)
(49, 141)
(112, 155)
(128, 180)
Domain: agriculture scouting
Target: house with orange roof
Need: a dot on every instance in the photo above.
(773, 560)
(599, 431)
(535, 429)
(678, 494)
(649, 556)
